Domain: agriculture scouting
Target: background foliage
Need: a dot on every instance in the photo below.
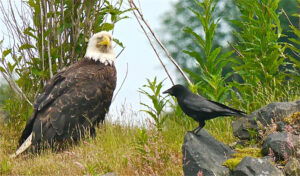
(181, 15)
(264, 67)
(208, 75)
(48, 36)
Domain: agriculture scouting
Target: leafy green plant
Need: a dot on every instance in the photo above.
(262, 64)
(17, 109)
(50, 36)
(4, 93)
(295, 48)
(96, 167)
(5, 168)
(141, 140)
(158, 102)
(151, 154)
(212, 62)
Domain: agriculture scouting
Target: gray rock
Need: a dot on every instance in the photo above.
(292, 167)
(275, 111)
(204, 153)
(280, 126)
(250, 166)
(241, 128)
(283, 145)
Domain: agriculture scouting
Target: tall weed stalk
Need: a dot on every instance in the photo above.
(158, 102)
(211, 63)
(294, 46)
(262, 64)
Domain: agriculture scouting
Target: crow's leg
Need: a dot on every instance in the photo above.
(201, 125)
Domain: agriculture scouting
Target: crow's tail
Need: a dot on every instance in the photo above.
(238, 113)
(230, 111)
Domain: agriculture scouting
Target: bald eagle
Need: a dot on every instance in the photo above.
(75, 100)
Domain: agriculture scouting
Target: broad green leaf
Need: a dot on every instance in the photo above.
(118, 42)
(25, 46)
(106, 26)
(2, 70)
(6, 52)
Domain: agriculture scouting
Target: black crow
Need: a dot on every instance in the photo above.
(200, 108)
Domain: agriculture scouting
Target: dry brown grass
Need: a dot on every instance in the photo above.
(126, 150)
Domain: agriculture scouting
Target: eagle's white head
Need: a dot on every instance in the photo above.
(100, 48)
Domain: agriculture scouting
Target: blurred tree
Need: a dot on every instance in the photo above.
(175, 20)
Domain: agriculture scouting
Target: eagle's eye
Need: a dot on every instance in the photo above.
(100, 38)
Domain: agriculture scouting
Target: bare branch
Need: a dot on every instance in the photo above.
(113, 99)
(120, 52)
(236, 50)
(49, 25)
(42, 32)
(15, 32)
(160, 60)
(133, 5)
(287, 17)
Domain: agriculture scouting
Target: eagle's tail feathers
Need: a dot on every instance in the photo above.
(26, 144)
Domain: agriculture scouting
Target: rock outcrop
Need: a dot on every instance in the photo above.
(283, 145)
(276, 128)
(256, 166)
(273, 112)
(202, 153)
(292, 167)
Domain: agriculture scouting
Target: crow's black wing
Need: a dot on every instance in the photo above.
(197, 103)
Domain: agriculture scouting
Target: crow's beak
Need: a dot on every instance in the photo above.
(166, 91)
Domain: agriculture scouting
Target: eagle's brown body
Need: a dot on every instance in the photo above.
(73, 101)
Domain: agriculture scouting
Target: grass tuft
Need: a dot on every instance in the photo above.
(126, 150)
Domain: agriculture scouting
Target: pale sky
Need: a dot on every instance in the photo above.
(140, 57)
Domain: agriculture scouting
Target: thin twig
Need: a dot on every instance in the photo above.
(236, 50)
(10, 22)
(16, 88)
(133, 5)
(49, 25)
(42, 31)
(164, 66)
(295, 53)
(120, 52)
(287, 17)
(113, 99)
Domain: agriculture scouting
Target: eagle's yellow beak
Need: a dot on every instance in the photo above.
(105, 41)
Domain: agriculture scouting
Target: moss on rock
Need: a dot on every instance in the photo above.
(242, 153)
(293, 118)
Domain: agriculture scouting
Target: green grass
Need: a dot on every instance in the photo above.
(121, 148)
(116, 148)
(124, 149)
